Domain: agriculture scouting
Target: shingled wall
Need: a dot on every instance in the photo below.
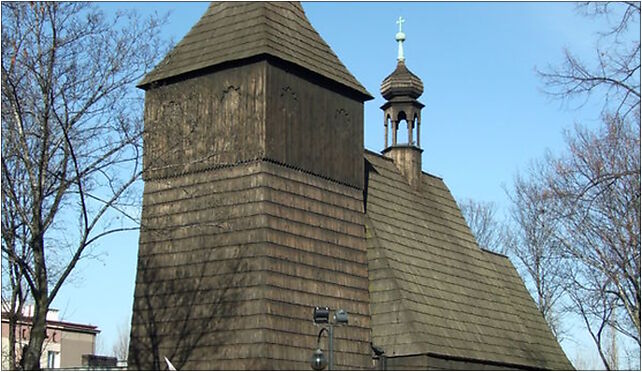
(198, 295)
(231, 262)
(315, 256)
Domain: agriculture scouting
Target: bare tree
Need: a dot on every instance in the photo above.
(615, 73)
(15, 291)
(613, 348)
(530, 237)
(593, 307)
(481, 218)
(593, 191)
(71, 137)
(596, 195)
(631, 360)
(579, 219)
(120, 348)
(583, 361)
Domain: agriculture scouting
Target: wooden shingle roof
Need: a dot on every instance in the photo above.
(230, 31)
(401, 82)
(434, 291)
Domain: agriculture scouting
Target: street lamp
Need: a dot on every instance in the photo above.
(318, 361)
(321, 315)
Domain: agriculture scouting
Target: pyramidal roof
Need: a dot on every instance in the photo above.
(230, 31)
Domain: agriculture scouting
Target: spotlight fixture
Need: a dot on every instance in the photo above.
(321, 315)
(341, 317)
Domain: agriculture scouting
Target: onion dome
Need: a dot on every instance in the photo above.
(402, 82)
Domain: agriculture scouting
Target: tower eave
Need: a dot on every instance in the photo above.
(358, 94)
(402, 101)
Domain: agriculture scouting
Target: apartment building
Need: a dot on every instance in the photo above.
(64, 347)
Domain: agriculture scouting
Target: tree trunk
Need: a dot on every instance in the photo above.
(32, 354)
(33, 351)
(12, 341)
(14, 315)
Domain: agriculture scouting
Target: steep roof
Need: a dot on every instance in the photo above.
(433, 291)
(230, 31)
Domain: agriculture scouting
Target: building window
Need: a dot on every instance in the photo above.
(51, 359)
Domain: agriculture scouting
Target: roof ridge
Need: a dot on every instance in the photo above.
(433, 176)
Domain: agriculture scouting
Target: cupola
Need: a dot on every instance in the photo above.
(401, 89)
(401, 83)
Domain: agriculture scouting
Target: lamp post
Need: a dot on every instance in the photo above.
(321, 315)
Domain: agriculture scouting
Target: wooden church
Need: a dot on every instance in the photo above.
(261, 203)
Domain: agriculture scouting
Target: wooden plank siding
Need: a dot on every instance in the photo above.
(311, 126)
(208, 121)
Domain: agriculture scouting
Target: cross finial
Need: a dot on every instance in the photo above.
(400, 37)
(400, 22)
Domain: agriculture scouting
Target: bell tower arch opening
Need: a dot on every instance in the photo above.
(403, 131)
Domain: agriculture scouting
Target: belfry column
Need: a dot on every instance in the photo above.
(385, 128)
(418, 131)
(395, 126)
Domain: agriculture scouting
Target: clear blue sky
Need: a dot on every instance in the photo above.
(485, 116)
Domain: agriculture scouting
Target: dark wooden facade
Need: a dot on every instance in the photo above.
(235, 261)
(252, 215)
(313, 127)
(260, 204)
(259, 108)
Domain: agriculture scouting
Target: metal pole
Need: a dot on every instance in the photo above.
(331, 348)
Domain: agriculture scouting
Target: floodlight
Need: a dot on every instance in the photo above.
(341, 316)
(321, 315)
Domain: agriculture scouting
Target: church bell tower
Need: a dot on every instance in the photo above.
(253, 202)
(401, 90)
